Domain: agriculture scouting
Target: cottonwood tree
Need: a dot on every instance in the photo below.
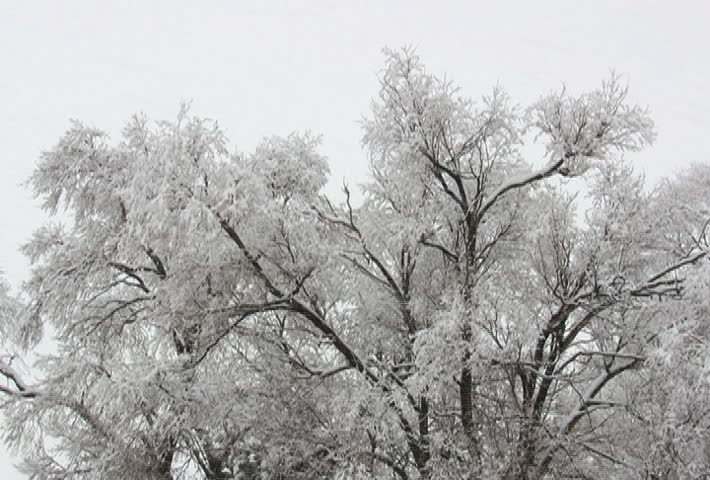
(216, 316)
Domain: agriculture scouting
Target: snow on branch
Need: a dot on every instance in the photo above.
(21, 390)
(519, 182)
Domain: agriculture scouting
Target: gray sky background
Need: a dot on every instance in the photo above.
(272, 67)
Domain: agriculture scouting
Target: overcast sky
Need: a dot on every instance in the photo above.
(272, 67)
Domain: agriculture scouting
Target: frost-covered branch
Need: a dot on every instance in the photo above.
(21, 390)
(587, 399)
(519, 182)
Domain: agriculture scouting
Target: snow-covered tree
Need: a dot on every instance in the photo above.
(216, 316)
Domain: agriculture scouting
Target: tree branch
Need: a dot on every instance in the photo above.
(520, 182)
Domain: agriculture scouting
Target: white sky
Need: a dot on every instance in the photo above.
(272, 67)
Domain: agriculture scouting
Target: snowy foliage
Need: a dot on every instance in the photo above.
(217, 317)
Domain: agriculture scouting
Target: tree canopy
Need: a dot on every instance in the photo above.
(216, 316)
